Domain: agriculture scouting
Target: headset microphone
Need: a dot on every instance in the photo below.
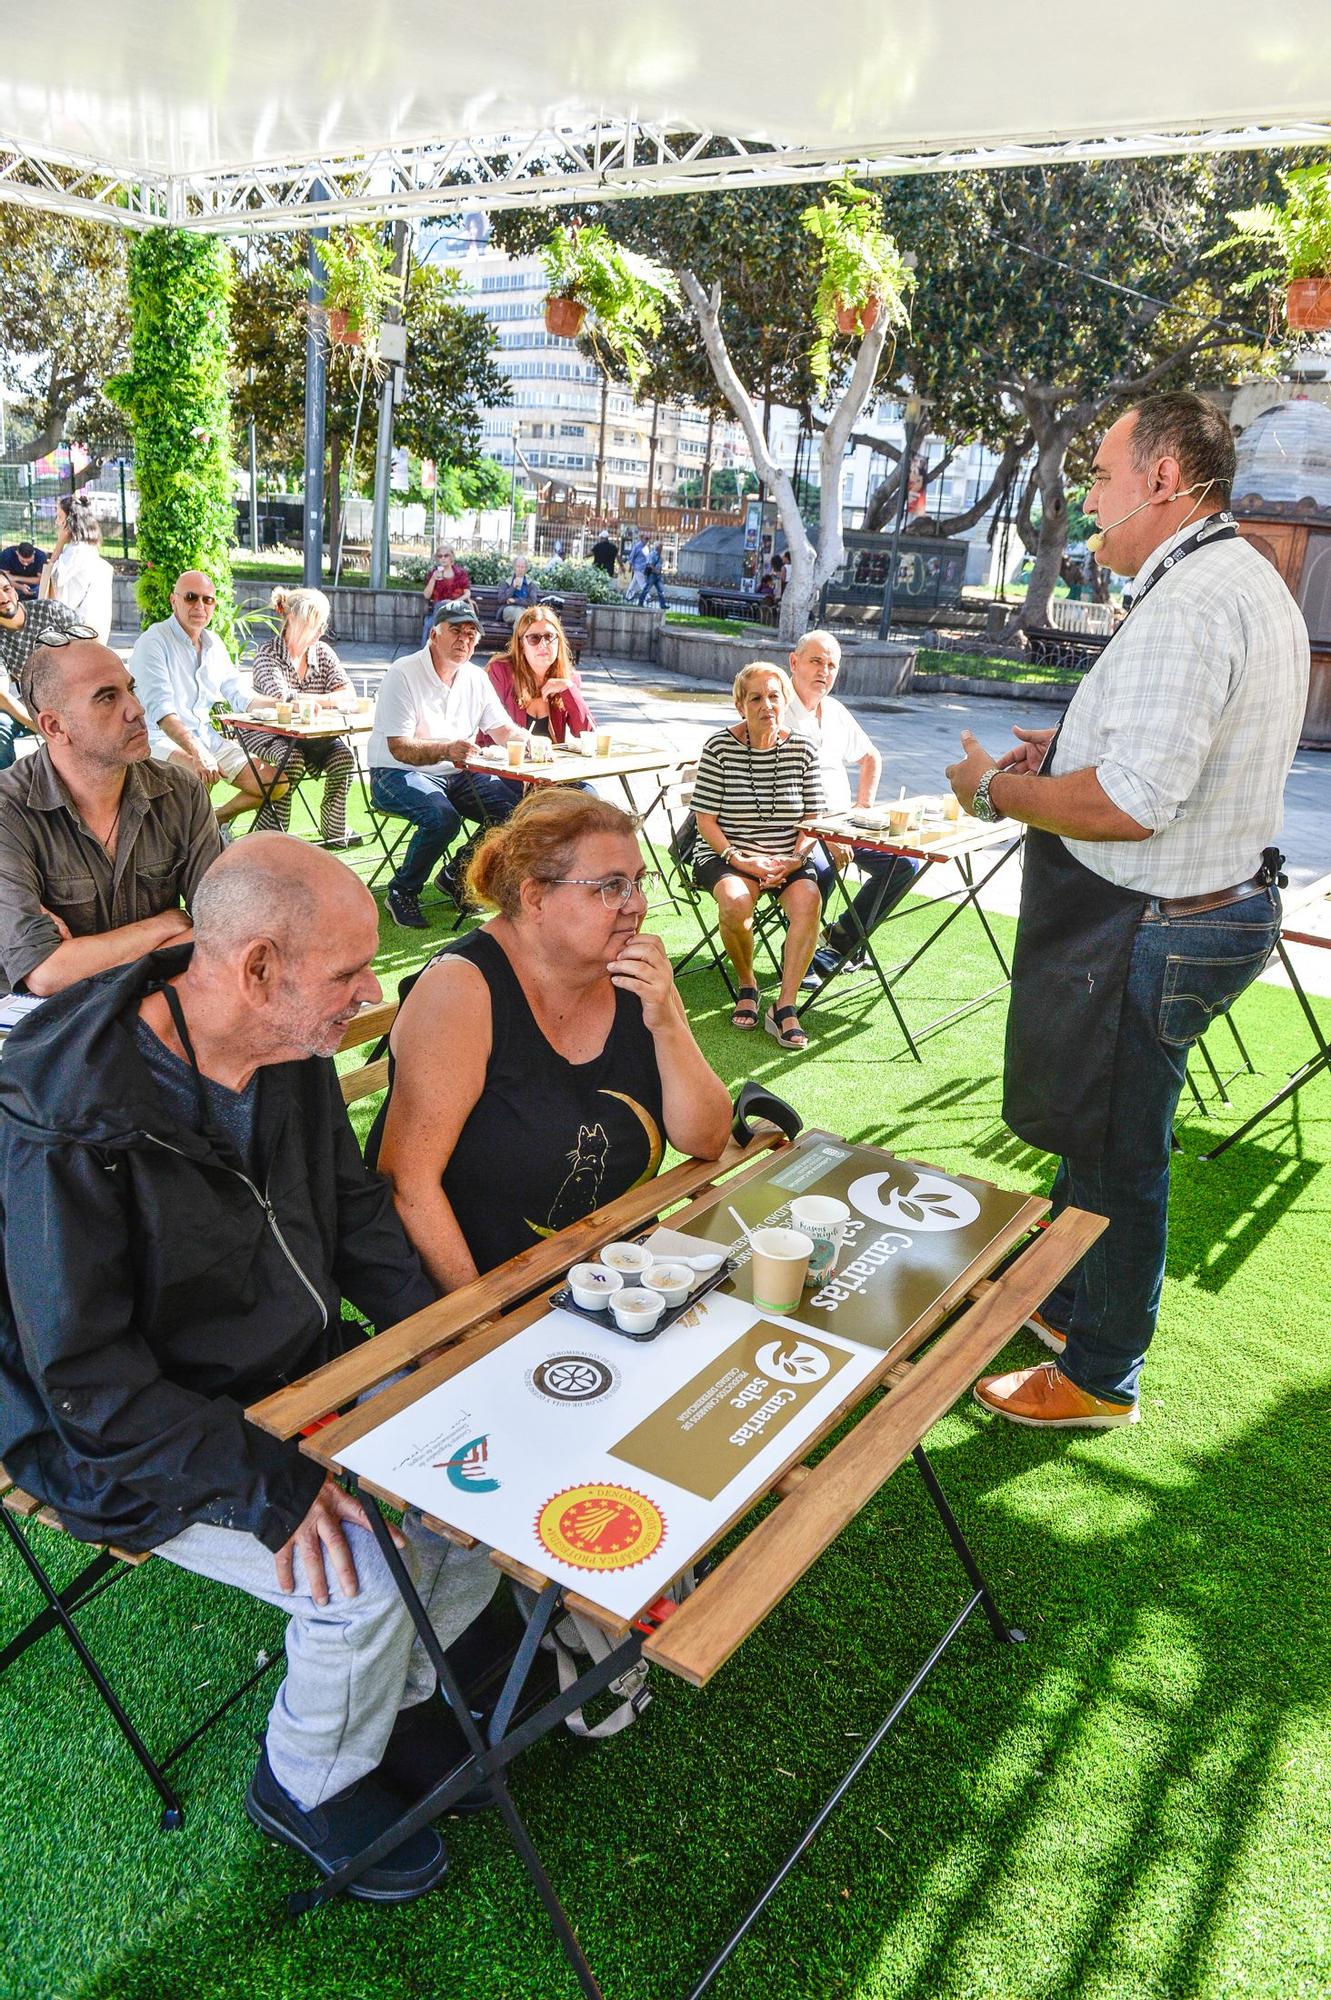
(1096, 541)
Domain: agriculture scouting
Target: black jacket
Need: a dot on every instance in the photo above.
(150, 1290)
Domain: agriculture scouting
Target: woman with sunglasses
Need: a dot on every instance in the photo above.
(536, 679)
(539, 1066)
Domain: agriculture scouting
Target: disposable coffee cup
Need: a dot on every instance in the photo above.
(898, 819)
(517, 750)
(603, 742)
(823, 1220)
(780, 1265)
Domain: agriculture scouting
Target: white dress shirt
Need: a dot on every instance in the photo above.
(414, 702)
(172, 678)
(839, 741)
(1190, 718)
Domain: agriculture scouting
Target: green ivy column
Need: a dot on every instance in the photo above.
(176, 396)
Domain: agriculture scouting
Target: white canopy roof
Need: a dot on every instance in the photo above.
(241, 114)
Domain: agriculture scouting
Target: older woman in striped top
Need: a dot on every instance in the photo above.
(757, 780)
(296, 662)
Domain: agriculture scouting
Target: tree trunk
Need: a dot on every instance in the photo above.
(1052, 439)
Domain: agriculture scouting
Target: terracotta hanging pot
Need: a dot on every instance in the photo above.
(564, 316)
(340, 331)
(858, 319)
(1308, 304)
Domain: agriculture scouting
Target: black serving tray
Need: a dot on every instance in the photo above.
(564, 1299)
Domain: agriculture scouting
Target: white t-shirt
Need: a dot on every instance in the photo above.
(839, 740)
(82, 579)
(413, 701)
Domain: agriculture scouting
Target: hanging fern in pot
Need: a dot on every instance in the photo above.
(863, 275)
(359, 286)
(1299, 233)
(623, 294)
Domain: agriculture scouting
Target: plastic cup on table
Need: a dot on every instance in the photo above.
(517, 751)
(603, 742)
(823, 1220)
(952, 808)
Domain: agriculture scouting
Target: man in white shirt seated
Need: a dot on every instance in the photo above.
(431, 707)
(180, 670)
(817, 714)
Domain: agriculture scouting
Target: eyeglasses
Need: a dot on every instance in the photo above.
(545, 637)
(198, 597)
(616, 891)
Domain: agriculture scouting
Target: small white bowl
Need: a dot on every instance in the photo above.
(636, 1311)
(674, 1282)
(593, 1286)
(629, 1259)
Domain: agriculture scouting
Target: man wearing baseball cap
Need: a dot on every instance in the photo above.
(431, 706)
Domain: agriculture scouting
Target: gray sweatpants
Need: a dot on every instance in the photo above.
(354, 1662)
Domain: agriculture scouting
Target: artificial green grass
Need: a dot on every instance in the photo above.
(1135, 1803)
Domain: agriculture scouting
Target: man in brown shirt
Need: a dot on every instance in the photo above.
(99, 844)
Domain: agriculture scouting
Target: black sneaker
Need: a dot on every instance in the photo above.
(404, 907)
(331, 1833)
(427, 1743)
(821, 967)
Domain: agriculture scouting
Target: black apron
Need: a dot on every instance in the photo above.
(1075, 933)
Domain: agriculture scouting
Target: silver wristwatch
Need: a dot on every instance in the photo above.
(980, 806)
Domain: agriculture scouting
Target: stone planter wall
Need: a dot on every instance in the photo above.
(1056, 694)
(624, 631)
(388, 618)
(867, 671)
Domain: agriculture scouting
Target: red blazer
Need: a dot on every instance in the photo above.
(568, 712)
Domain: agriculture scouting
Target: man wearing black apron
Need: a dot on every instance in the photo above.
(1149, 896)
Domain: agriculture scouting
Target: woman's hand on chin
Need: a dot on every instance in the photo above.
(641, 966)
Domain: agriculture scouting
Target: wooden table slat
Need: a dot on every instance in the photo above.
(735, 1598)
(287, 1411)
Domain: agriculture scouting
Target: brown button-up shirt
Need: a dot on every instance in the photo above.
(50, 861)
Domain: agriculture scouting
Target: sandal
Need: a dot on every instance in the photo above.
(745, 1014)
(783, 1022)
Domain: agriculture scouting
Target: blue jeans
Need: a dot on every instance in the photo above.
(651, 581)
(436, 803)
(10, 731)
(1184, 973)
(887, 877)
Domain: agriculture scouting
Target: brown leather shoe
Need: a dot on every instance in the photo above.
(1045, 1398)
(1050, 1335)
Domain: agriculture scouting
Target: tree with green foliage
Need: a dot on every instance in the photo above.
(64, 327)
(451, 374)
(1050, 298)
(175, 394)
(749, 270)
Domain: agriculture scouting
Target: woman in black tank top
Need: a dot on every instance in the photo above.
(540, 1065)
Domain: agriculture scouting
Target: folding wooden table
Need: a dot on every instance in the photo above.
(922, 1370)
(962, 842)
(328, 723)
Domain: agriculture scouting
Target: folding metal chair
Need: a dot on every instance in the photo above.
(684, 893)
(108, 1565)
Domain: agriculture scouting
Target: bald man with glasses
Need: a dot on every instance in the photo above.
(181, 670)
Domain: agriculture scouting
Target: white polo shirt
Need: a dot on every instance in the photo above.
(839, 741)
(414, 702)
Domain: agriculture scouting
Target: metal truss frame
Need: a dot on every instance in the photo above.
(603, 160)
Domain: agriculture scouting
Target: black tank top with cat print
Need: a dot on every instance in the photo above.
(549, 1140)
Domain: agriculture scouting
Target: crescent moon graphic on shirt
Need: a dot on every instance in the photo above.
(655, 1149)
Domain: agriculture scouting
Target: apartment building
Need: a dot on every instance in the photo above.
(567, 424)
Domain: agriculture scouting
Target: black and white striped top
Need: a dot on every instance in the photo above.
(759, 796)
